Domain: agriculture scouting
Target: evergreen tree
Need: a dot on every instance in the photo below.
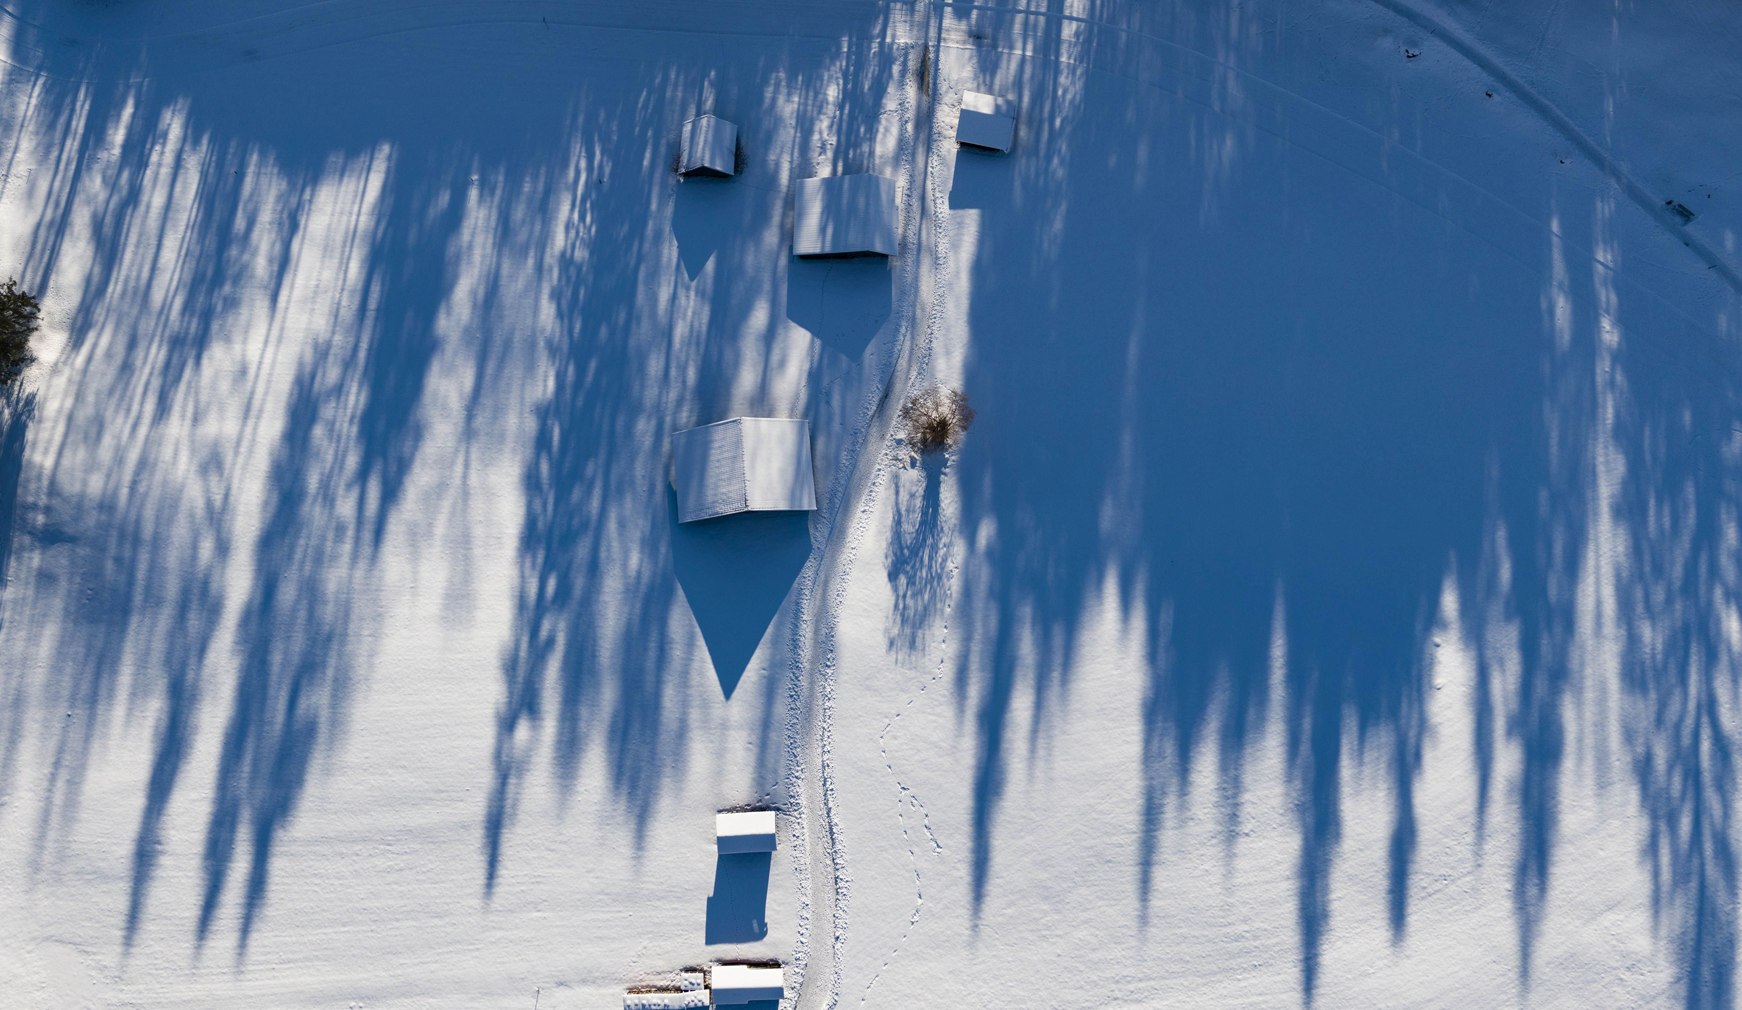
(18, 320)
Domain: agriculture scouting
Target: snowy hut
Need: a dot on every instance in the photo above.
(745, 464)
(710, 148)
(747, 983)
(844, 215)
(744, 831)
(689, 991)
(985, 121)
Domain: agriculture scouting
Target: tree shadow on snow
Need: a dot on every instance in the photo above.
(1288, 478)
(919, 553)
(358, 249)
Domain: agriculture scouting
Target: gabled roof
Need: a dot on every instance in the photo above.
(744, 464)
(710, 147)
(845, 215)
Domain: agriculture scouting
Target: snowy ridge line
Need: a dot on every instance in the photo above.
(848, 486)
(1074, 52)
(17, 39)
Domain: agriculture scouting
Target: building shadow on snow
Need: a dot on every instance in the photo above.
(738, 909)
(735, 572)
(841, 302)
(704, 213)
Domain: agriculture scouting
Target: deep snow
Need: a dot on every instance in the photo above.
(1336, 600)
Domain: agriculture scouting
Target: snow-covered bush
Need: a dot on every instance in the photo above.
(18, 312)
(936, 418)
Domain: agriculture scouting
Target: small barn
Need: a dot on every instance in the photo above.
(735, 984)
(709, 148)
(986, 122)
(845, 215)
(744, 464)
(741, 831)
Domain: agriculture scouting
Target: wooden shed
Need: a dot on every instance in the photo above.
(709, 148)
(743, 464)
(845, 215)
(739, 831)
(986, 122)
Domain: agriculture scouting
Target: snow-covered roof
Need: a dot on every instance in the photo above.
(844, 215)
(743, 983)
(986, 121)
(710, 147)
(744, 831)
(745, 464)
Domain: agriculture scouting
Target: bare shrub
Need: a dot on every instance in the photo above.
(936, 418)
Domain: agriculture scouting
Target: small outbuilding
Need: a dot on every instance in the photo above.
(734, 984)
(741, 831)
(710, 148)
(845, 215)
(744, 464)
(986, 121)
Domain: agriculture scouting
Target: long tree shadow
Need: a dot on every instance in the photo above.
(296, 662)
(663, 322)
(1405, 387)
(267, 239)
(321, 238)
(17, 408)
(1673, 598)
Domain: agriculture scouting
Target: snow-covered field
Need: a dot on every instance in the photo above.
(1337, 600)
